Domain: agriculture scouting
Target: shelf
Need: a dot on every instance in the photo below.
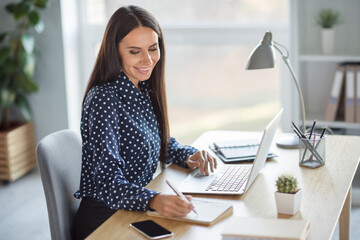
(316, 71)
(334, 124)
(329, 58)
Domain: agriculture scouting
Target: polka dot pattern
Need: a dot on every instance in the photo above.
(121, 145)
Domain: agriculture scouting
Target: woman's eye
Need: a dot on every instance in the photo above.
(134, 52)
(153, 49)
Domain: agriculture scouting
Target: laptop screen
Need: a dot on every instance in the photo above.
(265, 144)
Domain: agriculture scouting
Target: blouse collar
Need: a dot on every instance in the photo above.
(128, 91)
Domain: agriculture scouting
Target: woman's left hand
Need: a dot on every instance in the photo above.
(202, 159)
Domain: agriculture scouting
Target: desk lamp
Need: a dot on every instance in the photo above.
(263, 56)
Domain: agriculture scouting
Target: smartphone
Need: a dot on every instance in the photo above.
(151, 229)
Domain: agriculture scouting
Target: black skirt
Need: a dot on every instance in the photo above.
(90, 215)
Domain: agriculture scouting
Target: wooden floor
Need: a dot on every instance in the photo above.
(24, 215)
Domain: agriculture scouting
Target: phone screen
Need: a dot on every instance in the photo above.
(151, 229)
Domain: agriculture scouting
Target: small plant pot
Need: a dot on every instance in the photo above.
(327, 36)
(288, 203)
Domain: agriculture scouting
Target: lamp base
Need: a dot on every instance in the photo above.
(288, 142)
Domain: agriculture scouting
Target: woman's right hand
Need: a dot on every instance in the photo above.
(170, 205)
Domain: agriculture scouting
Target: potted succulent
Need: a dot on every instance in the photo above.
(327, 19)
(17, 65)
(288, 195)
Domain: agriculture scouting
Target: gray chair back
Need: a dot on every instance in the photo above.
(59, 160)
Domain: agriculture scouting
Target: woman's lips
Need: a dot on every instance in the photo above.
(143, 70)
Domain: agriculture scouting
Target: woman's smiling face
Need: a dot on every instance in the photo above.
(139, 52)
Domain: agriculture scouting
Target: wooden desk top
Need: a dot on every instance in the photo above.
(324, 192)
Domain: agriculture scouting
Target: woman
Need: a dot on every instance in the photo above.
(125, 128)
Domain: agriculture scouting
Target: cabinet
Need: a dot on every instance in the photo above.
(316, 70)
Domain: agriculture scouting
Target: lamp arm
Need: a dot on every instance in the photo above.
(286, 60)
(276, 46)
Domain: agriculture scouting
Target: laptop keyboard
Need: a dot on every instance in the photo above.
(230, 179)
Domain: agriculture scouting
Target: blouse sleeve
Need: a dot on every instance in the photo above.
(108, 166)
(178, 153)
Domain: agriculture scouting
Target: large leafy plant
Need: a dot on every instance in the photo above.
(17, 58)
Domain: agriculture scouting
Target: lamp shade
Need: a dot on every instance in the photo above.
(263, 55)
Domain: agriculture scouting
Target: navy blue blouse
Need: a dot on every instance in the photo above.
(121, 145)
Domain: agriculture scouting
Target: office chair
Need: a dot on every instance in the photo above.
(59, 159)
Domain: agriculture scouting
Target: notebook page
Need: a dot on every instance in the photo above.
(208, 211)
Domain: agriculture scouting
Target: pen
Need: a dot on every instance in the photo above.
(298, 130)
(324, 130)
(321, 136)
(179, 194)
(297, 133)
(312, 128)
(312, 144)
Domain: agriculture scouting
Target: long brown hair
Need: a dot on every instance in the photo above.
(108, 63)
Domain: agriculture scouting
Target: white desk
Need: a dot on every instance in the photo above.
(325, 201)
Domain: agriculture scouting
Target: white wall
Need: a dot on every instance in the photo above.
(49, 104)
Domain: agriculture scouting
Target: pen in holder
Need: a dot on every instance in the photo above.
(312, 151)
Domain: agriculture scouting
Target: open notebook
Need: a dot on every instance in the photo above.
(209, 212)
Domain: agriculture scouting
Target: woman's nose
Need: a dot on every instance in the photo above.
(146, 58)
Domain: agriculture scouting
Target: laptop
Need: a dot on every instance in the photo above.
(233, 179)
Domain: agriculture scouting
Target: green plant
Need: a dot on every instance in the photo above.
(287, 184)
(328, 18)
(17, 58)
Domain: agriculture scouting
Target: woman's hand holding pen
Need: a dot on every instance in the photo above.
(202, 159)
(173, 205)
(170, 205)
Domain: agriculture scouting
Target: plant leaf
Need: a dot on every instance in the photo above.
(4, 53)
(7, 97)
(10, 8)
(9, 65)
(5, 79)
(32, 85)
(39, 28)
(29, 67)
(3, 36)
(28, 43)
(23, 104)
(328, 18)
(41, 3)
(22, 59)
(34, 18)
(12, 44)
(21, 9)
(25, 83)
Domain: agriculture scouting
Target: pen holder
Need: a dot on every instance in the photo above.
(312, 151)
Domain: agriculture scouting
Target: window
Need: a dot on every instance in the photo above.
(193, 12)
(206, 51)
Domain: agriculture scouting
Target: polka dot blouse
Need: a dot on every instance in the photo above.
(121, 145)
